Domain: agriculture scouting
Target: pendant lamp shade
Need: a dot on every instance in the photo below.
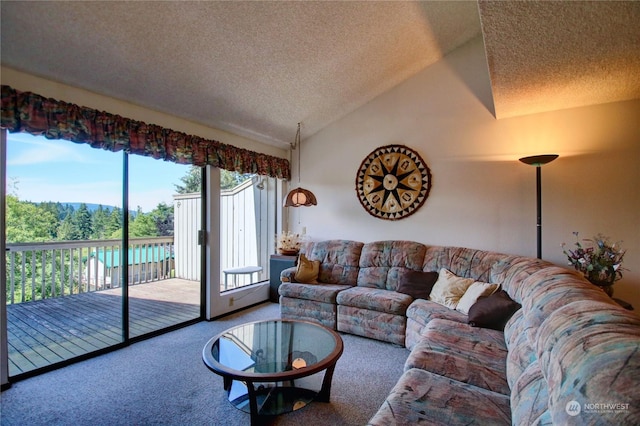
(299, 197)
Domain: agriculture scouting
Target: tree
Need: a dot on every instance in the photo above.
(99, 221)
(26, 223)
(192, 181)
(82, 222)
(67, 229)
(229, 180)
(143, 225)
(114, 224)
(163, 218)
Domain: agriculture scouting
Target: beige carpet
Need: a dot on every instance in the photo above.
(162, 381)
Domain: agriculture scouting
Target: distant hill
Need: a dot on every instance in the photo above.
(91, 207)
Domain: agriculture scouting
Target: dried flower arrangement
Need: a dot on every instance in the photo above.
(288, 243)
(599, 260)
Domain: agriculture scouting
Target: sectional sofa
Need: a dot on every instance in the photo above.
(569, 355)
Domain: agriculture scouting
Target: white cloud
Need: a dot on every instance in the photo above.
(41, 150)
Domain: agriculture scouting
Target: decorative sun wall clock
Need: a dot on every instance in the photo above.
(393, 182)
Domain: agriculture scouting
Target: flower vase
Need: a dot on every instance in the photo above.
(605, 285)
(607, 289)
(288, 252)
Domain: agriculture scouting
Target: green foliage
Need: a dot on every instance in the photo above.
(229, 180)
(33, 275)
(114, 224)
(67, 230)
(99, 222)
(25, 222)
(192, 181)
(143, 225)
(163, 217)
(82, 223)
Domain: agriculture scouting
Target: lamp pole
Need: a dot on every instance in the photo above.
(538, 161)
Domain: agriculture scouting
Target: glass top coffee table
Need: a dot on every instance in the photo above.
(274, 367)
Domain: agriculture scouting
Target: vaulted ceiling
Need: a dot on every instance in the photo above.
(258, 68)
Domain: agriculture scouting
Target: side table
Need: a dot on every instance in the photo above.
(277, 264)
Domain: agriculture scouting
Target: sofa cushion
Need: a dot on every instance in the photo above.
(460, 352)
(309, 310)
(449, 288)
(338, 260)
(421, 312)
(493, 311)
(530, 398)
(374, 299)
(520, 356)
(372, 324)
(383, 262)
(551, 289)
(589, 352)
(424, 311)
(326, 293)
(484, 266)
(424, 398)
(417, 284)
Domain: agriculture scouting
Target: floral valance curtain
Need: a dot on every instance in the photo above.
(31, 113)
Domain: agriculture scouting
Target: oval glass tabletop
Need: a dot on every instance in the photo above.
(280, 357)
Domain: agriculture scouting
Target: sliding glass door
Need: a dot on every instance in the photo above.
(63, 212)
(164, 216)
(92, 251)
(247, 228)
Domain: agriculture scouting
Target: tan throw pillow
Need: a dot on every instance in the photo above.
(307, 271)
(449, 288)
(473, 293)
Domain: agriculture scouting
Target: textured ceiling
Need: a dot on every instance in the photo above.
(551, 55)
(258, 68)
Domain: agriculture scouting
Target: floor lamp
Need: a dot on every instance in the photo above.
(538, 161)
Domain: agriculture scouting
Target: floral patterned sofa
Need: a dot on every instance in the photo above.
(569, 356)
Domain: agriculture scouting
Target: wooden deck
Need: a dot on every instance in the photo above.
(49, 331)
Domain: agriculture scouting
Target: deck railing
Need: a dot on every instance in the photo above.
(53, 269)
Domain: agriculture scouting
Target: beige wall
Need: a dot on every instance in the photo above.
(482, 196)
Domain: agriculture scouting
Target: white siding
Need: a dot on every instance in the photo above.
(186, 224)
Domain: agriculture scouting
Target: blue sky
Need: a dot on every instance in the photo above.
(39, 169)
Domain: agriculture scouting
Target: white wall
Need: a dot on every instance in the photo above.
(482, 196)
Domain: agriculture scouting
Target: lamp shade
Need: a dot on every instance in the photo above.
(539, 160)
(300, 197)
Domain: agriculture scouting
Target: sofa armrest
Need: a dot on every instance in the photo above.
(288, 275)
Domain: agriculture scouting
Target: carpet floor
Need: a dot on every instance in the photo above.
(163, 381)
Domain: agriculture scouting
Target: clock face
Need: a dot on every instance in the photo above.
(393, 182)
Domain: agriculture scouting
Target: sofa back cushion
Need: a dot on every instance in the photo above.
(484, 266)
(338, 260)
(383, 263)
(589, 354)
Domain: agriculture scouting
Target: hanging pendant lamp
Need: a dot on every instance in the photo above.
(299, 196)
